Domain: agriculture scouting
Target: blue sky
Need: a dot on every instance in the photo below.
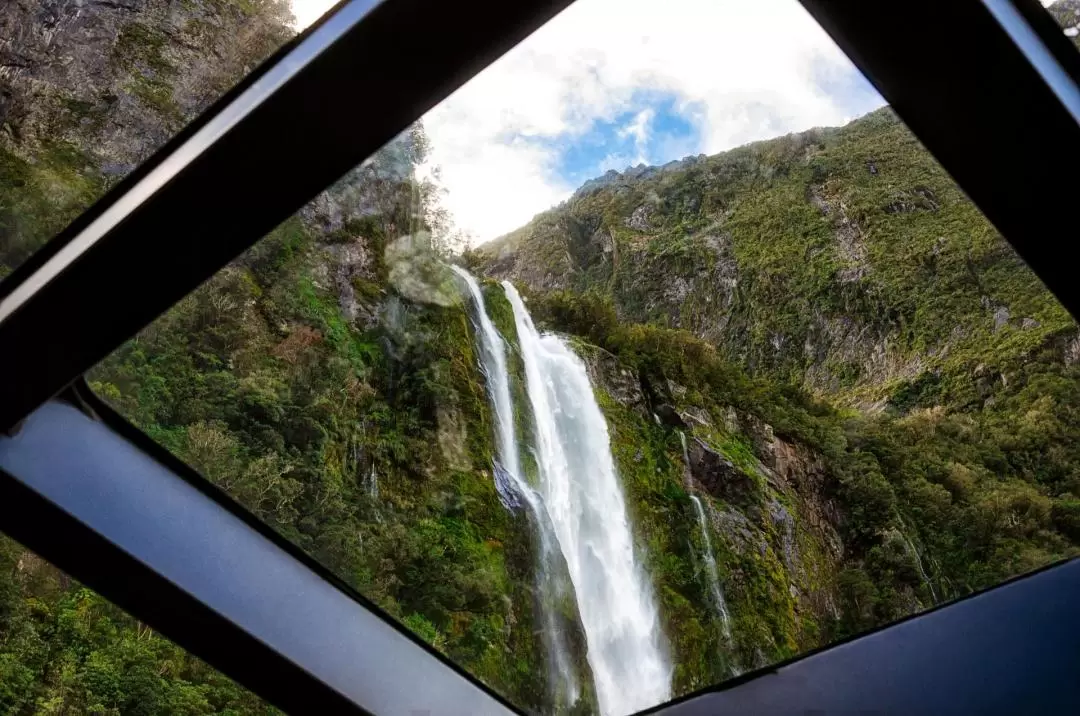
(652, 128)
(655, 127)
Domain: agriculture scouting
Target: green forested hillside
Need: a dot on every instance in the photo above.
(845, 260)
(65, 650)
(877, 397)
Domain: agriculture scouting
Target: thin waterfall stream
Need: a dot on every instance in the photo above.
(713, 574)
(917, 558)
(372, 483)
(922, 570)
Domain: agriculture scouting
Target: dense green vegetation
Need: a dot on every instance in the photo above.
(877, 395)
(370, 449)
(975, 496)
(65, 650)
(39, 197)
(845, 260)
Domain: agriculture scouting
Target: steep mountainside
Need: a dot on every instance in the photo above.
(90, 88)
(842, 259)
(730, 312)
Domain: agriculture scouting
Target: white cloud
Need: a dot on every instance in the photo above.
(750, 64)
(308, 11)
(640, 130)
(741, 69)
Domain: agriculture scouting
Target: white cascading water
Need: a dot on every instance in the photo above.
(917, 558)
(493, 366)
(581, 493)
(719, 602)
(922, 570)
(373, 484)
(514, 490)
(711, 571)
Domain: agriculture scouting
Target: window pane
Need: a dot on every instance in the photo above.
(90, 90)
(753, 386)
(64, 649)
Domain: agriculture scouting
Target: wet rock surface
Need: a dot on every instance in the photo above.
(719, 476)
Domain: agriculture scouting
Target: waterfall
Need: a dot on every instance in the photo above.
(919, 565)
(372, 484)
(685, 457)
(710, 570)
(719, 602)
(514, 492)
(509, 480)
(580, 491)
(914, 553)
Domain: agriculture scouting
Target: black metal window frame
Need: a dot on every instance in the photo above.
(989, 86)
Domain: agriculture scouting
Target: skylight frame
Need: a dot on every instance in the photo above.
(953, 72)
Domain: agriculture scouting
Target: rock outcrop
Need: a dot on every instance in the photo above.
(117, 79)
(718, 476)
(766, 498)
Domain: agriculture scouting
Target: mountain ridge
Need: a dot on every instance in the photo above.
(842, 258)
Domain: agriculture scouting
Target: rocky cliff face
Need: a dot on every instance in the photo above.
(90, 88)
(842, 259)
(117, 78)
(766, 498)
(1067, 14)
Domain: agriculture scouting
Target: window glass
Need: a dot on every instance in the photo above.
(90, 90)
(64, 649)
(660, 352)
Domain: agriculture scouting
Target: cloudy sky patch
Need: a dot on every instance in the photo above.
(612, 83)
